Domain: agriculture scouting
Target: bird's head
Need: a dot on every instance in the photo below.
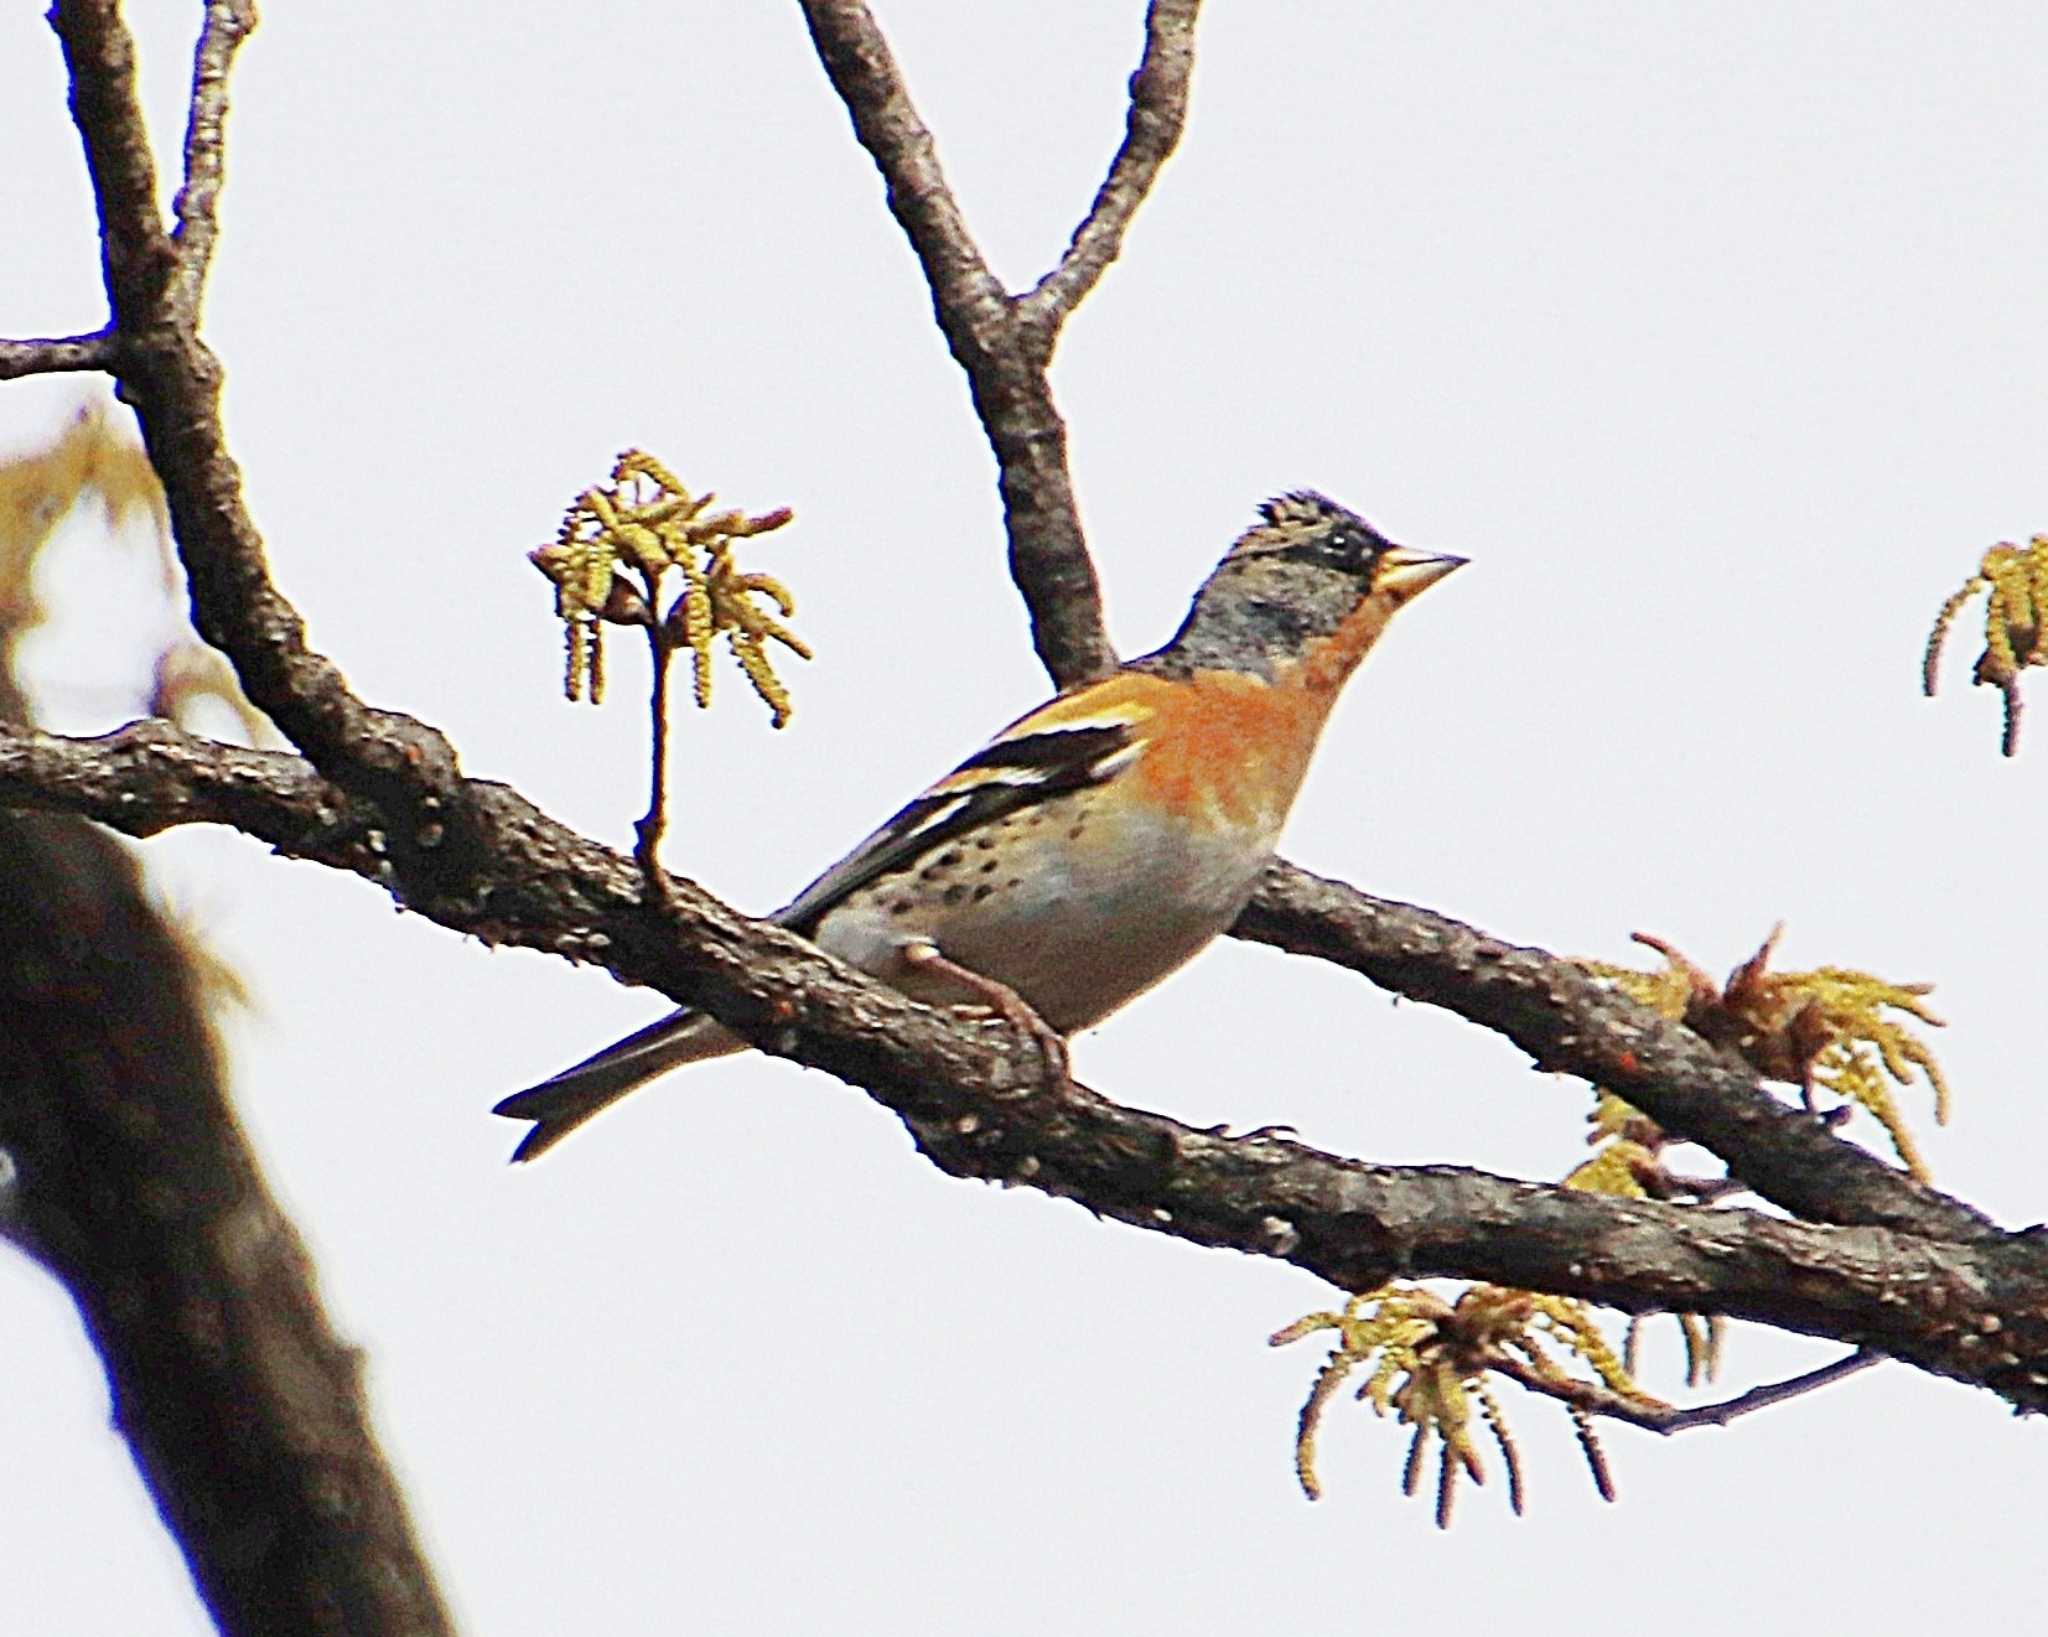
(1305, 591)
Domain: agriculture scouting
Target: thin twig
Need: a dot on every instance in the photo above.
(648, 832)
(1152, 129)
(56, 355)
(228, 24)
(1595, 1399)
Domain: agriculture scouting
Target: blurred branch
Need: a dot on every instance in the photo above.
(1971, 1305)
(130, 1179)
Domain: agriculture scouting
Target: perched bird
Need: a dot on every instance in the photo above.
(1097, 843)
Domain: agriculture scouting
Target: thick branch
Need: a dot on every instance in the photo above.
(976, 1100)
(130, 1179)
(1571, 1023)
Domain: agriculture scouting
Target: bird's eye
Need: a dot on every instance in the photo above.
(1349, 548)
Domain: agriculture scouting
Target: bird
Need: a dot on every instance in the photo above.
(1098, 842)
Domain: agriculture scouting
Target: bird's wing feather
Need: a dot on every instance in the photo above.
(1037, 757)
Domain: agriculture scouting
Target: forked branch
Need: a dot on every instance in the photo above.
(1005, 342)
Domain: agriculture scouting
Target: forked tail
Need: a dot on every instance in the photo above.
(561, 1103)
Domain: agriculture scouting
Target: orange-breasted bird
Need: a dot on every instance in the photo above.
(1097, 843)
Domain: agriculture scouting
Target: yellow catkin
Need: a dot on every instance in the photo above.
(646, 520)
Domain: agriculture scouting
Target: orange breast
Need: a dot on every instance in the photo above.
(1228, 748)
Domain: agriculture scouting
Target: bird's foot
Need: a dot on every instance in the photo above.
(999, 999)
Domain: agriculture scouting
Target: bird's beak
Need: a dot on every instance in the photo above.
(1403, 572)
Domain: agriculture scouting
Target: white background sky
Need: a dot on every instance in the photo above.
(1715, 338)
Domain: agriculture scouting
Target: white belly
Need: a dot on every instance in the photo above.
(1077, 925)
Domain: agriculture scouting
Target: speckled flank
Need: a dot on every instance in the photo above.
(966, 872)
(1149, 890)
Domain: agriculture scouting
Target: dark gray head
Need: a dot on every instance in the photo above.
(1309, 578)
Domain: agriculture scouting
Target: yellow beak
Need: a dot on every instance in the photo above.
(1403, 572)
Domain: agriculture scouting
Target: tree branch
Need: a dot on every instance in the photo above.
(1553, 1009)
(173, 380)
(99, 53)
(978, 1103)
(1572, 1023)
(1158, 114)
(127, 1172)
(297, 810)
(1911, 1273)
(1003, 343)
(1596, 1399)
(228, 23)
(131, 1180)
(55, 355)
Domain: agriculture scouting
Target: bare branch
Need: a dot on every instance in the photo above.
(173, 381)
(1571, 1023)
(1152, 129)
(863, 71)
(1596, 1399)
(980, 1104)
(1910, 1272)
(152, 776)
(1551, 1007)
(1004, 349)
(56, 355)
(228, 24)
(99, 52)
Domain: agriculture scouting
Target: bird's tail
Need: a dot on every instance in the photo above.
(558, 1105)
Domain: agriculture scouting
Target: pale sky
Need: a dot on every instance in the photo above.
(1714, 337)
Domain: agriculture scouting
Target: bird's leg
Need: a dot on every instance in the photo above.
(926, 956)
